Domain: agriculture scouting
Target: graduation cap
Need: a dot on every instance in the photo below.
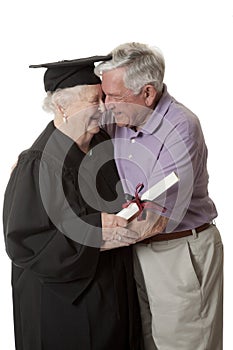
(68, 73)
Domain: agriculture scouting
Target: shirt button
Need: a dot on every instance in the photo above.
(130, 156)
(132, 141)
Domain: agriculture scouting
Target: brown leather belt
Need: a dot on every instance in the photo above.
(174, 235)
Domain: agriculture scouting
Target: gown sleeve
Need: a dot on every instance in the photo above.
(32, 240)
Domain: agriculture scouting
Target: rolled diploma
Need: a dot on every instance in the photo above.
(150, 195)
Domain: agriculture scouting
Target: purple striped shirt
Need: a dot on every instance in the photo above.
(171, 140)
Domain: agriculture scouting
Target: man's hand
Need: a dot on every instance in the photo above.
(158, 227)
(149, 227)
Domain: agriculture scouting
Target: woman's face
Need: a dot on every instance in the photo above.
(89, 110)
(83, 115)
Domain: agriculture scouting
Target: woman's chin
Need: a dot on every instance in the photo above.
(94, 129)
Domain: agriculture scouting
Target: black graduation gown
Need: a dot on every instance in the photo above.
(67, 295)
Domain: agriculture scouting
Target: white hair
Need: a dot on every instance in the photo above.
(64, 97)
(144, 65)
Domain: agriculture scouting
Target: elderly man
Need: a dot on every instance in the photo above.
(179, 271)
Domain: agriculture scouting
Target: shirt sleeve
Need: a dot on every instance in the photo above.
(34, 240)
(182, 153)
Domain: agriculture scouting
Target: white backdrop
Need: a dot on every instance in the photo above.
(196, 38)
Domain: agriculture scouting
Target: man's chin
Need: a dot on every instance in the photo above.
(121, 125)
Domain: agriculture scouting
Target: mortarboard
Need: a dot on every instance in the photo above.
(68, 73)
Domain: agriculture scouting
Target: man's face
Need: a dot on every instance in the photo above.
(129, 110)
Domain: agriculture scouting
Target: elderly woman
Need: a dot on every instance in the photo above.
(71, 290)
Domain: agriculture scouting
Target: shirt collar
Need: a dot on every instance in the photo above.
(159, 112)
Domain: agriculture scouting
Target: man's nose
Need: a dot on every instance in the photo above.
(109, 103)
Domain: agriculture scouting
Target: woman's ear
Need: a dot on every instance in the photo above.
(60, 108)
(62, 112)
(149, 95)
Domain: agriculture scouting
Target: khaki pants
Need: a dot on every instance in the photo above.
(180, 288)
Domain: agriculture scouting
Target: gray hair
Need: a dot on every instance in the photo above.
(63, 97)
(144, 65)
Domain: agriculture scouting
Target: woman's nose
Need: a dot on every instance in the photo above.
(101, 107)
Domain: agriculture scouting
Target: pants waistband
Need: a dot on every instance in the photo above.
(174, 235)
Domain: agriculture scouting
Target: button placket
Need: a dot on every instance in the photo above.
(132, 141)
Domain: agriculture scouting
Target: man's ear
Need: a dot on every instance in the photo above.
(149, 95)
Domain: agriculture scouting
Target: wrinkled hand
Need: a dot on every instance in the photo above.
(118, 237)
(111, 220)
(114, 232)
(153, 225)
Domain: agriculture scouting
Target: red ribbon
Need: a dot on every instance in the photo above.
(142, 204)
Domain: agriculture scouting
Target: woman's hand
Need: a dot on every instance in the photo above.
(118, 237)
(115, 234)
(111, 220)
